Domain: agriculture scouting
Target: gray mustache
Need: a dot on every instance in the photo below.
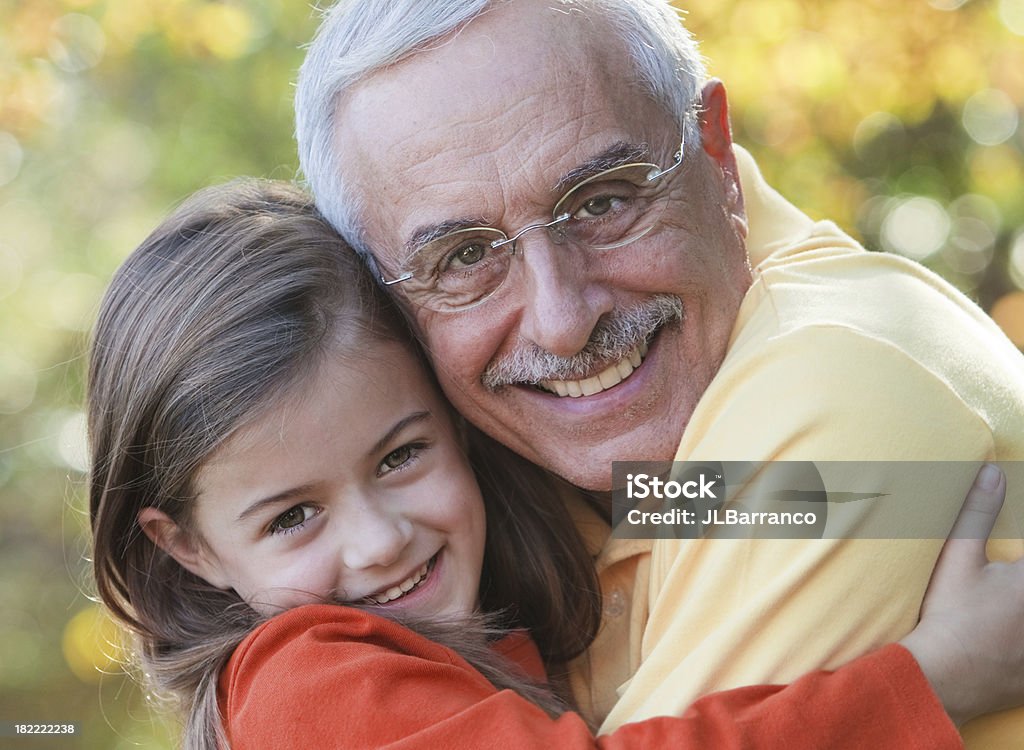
(614, 336)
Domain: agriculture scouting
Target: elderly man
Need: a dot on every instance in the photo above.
(550, 189)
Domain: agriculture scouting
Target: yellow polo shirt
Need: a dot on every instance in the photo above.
(837, 354)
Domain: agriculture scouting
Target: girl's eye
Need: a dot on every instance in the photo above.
(400, 458)
(292, 519)
(397, 457)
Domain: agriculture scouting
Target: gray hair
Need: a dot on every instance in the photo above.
(359, 37)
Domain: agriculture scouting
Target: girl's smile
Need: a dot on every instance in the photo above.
(408, 587)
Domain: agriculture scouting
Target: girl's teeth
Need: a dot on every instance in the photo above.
(403, 588)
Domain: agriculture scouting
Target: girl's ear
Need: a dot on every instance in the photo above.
(173, 540)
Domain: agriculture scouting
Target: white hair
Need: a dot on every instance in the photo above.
(359, 37)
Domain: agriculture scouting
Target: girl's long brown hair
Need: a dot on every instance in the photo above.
(229, 303)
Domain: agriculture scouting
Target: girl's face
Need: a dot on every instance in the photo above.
(354, 487)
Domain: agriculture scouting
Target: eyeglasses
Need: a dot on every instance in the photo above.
(464, 267)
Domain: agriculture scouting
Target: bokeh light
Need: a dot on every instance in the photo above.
(11, 156)
(72, 442)
(91, 644)
(915, 227)
(877, 133)
(77, 43)
(18, 383)
(990, 117)
(971, 246)
(1011, 12)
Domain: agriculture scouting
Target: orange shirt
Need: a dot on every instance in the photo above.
(325, 676)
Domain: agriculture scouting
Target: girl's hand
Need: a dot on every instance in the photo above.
(970, 639)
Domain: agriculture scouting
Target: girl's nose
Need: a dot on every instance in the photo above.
(374, 538)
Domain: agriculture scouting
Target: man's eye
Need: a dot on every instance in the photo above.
(595, 207)
(467, 255)
(292, 518)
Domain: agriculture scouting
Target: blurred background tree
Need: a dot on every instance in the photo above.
(900, 121)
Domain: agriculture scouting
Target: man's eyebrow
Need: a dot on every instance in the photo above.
(430, 232)
(616, 155)
(290, 494)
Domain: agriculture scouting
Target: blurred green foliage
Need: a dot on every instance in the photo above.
(110, 112)
(898, 120)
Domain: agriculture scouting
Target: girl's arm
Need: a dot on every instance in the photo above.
(324, 676)
(328, 676)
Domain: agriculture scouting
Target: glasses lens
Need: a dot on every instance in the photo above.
(614, 207)
(458, 270)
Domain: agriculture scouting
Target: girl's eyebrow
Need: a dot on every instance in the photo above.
(397, 427)
(294, 492)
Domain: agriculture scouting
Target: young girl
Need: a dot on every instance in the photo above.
(268, 444)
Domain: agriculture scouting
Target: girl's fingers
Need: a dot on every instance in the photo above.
(977, 517)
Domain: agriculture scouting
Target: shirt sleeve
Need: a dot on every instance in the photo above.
(330, 677)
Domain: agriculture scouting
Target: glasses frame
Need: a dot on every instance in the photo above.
(556, 226)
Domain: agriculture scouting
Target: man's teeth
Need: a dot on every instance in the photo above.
(604, 380)
(401, 589)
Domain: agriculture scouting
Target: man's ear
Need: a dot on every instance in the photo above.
(172, 539)
(716, 139)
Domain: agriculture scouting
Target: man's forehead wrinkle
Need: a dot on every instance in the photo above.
(461, 176)
(540, 147)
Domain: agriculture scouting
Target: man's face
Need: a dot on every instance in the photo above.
(482, 129)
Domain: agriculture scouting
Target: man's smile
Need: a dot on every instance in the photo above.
(607, 378)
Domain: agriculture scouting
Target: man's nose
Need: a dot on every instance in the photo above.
(373, 537)
(562, 297)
